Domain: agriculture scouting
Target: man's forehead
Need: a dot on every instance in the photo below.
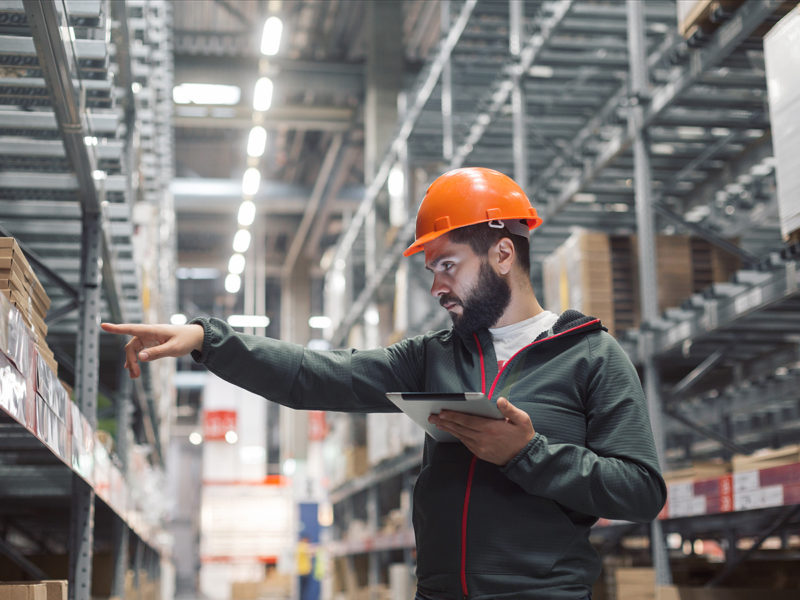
(442, 247)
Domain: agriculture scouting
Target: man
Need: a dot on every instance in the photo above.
(505, 513)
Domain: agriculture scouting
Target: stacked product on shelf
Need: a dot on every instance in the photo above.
(597, 273)
(20, 285)
(34, 590)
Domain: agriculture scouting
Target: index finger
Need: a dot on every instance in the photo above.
(124, 328)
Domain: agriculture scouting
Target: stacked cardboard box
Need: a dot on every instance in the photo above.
(635, 583)
(20, 285)
(598, 274)
(34, 590)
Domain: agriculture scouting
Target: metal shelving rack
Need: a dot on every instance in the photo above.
(613, 121)
(68, 155)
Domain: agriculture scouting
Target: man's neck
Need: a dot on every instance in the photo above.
(523, 305)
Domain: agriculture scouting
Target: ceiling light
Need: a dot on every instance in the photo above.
(542, 71)
(206, 93)
(250, 181)
(231, 436)
(196, 273)
(690, 132)
(247, 214)
(236, 264)
(90, 140)
(271, 36)
(241, 241)
(232, 283)
(178, 319)
(256, 141)
(136, 87)
(262, 95)
(396, 182)
(319, 322)
(371, 316)
(662, 149)
(585, 198)
(98, 175)
(248, 320)
(195, 438)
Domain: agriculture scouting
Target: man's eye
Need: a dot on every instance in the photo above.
(447, 265)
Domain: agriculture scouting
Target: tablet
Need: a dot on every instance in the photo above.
(420, 405)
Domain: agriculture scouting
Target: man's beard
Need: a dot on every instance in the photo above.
(484, 305)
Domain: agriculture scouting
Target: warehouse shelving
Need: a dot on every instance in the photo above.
(562, 114)
(67, 191)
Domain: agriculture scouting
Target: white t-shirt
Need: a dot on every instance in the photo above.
(511, 339)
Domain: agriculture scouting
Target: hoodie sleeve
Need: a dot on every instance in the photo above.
(339, 380)
(616, 475)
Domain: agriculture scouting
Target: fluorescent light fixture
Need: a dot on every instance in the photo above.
(542, 71)
(136, 87)
(319, 322)
(262, 95)
(250, 181)
(690, 132)
(256, 141)
(248, 320)
(231, 436)
(662, 149)
(247, 214)
(233, 283)
(178, 319)
(98, 175)
(720, 131)
(318, 344)
(206, 93)
(195, 438)
(584, 198)
(241, 241)
(196, 273)
(236, 264)
(271, 36)
(90, 140)
(396, 182)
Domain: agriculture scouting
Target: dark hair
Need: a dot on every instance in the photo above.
(481, 237)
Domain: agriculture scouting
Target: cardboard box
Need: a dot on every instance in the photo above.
(766, 458)
(671, 592)
(635, 583)
(23, 591)
(56, 589)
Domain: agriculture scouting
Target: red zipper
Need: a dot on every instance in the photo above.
(471, 472)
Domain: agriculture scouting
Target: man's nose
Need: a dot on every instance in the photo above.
(438, 288)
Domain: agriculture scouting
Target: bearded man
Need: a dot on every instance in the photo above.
(506, 511)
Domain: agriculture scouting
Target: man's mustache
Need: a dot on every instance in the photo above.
(449, 300)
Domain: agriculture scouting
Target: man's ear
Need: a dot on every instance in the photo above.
(503, 255)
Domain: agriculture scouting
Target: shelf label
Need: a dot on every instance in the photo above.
(759, 498)
(747, 300)
(745, 481)
(688, 507)
(726, 493)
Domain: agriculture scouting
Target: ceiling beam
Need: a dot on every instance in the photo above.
(316, 118)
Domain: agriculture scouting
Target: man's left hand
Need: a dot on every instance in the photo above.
(493, 440)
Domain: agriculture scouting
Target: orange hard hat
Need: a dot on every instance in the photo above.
(468, 196)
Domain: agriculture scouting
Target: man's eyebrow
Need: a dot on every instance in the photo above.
(436, 261)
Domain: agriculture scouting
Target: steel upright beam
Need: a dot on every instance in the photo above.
(648, 290)
(57, 66)
(447, 89)
(87, 378)
(121, 532)
(518, 108)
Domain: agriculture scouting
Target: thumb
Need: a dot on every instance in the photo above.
(508, 410)
(156, 352)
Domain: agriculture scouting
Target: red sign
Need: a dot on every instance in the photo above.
(317, 426)
(216, 423)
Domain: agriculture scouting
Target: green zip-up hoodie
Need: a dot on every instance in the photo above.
(520, 531)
